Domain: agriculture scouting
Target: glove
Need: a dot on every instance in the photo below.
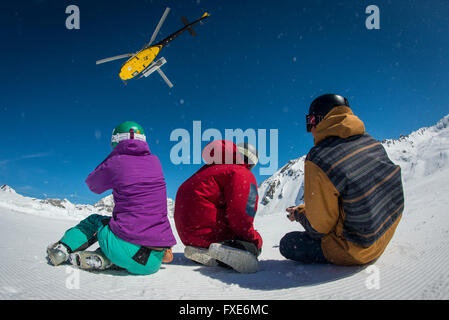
(295, 211)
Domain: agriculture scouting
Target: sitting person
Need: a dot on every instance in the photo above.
(138, 237)
(215, 209)
(353, 196)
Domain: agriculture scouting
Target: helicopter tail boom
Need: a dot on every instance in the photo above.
(187, 26)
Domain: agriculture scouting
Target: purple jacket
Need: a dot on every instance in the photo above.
(140, 196)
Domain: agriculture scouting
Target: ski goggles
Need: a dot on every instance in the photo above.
(312, 120)
(126, 136)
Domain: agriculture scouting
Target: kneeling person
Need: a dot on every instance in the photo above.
(215, 209)
(138, 237)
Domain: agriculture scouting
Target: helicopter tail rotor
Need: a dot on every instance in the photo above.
(186, 23)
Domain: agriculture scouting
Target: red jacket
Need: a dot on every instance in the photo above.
(218, 202)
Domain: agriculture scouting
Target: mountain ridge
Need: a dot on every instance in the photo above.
(59, 208)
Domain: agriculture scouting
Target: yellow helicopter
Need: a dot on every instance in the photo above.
(142, 64)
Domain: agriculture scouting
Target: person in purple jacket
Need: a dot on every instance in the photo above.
(138, 236)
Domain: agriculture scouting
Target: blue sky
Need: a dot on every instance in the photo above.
(253, 65)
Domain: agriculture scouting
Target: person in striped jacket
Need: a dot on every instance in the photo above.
(353, 194)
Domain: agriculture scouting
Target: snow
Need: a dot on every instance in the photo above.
(414, 265)
(423, 152)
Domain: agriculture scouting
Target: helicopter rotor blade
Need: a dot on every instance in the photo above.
(158, 27)
(114, 58)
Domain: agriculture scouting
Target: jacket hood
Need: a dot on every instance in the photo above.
(339, 122)
(132, 147)
(221, 152)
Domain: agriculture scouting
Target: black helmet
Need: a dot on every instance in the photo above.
(321, 106)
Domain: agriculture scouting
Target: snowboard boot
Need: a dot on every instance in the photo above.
(200, 255)
(90, 260)
(57, 253)
(240, 260)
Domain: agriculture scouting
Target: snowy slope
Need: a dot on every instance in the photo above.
(414, 266)
(423, 152)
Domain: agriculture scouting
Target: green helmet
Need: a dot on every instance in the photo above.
(127, 130)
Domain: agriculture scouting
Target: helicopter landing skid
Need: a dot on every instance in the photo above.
(156, 66)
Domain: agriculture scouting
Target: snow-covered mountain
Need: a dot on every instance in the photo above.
(423, 152)
(106, 203)
(7, 189)
(54, 208)
(59, 208)
(420, 154)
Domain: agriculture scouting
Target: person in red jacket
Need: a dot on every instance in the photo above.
(215, 209)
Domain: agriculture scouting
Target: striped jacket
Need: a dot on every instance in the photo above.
(353, 192)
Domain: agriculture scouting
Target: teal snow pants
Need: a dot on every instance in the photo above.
(129, 256)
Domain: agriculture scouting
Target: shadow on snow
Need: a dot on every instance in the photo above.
(275, 274)
(272, 274)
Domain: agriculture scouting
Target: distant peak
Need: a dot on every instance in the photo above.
(106, 203)
(443, 123)
(6, 188)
